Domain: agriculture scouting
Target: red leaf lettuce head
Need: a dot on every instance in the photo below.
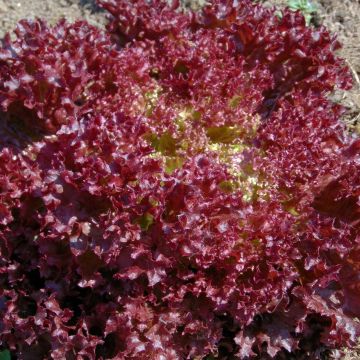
(178, 187)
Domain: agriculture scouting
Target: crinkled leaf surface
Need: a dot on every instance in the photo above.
(177, 187)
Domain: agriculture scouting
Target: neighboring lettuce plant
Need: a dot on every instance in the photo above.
(5, 355)
(179, 187)
(307, 8)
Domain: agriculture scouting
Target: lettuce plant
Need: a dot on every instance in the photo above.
(305, 6)
(177, 187)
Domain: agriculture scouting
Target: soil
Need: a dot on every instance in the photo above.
(339, 16)
(11, 11)
(343, 18)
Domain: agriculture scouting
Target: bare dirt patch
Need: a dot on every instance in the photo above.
(11, 11)
(343, 18)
